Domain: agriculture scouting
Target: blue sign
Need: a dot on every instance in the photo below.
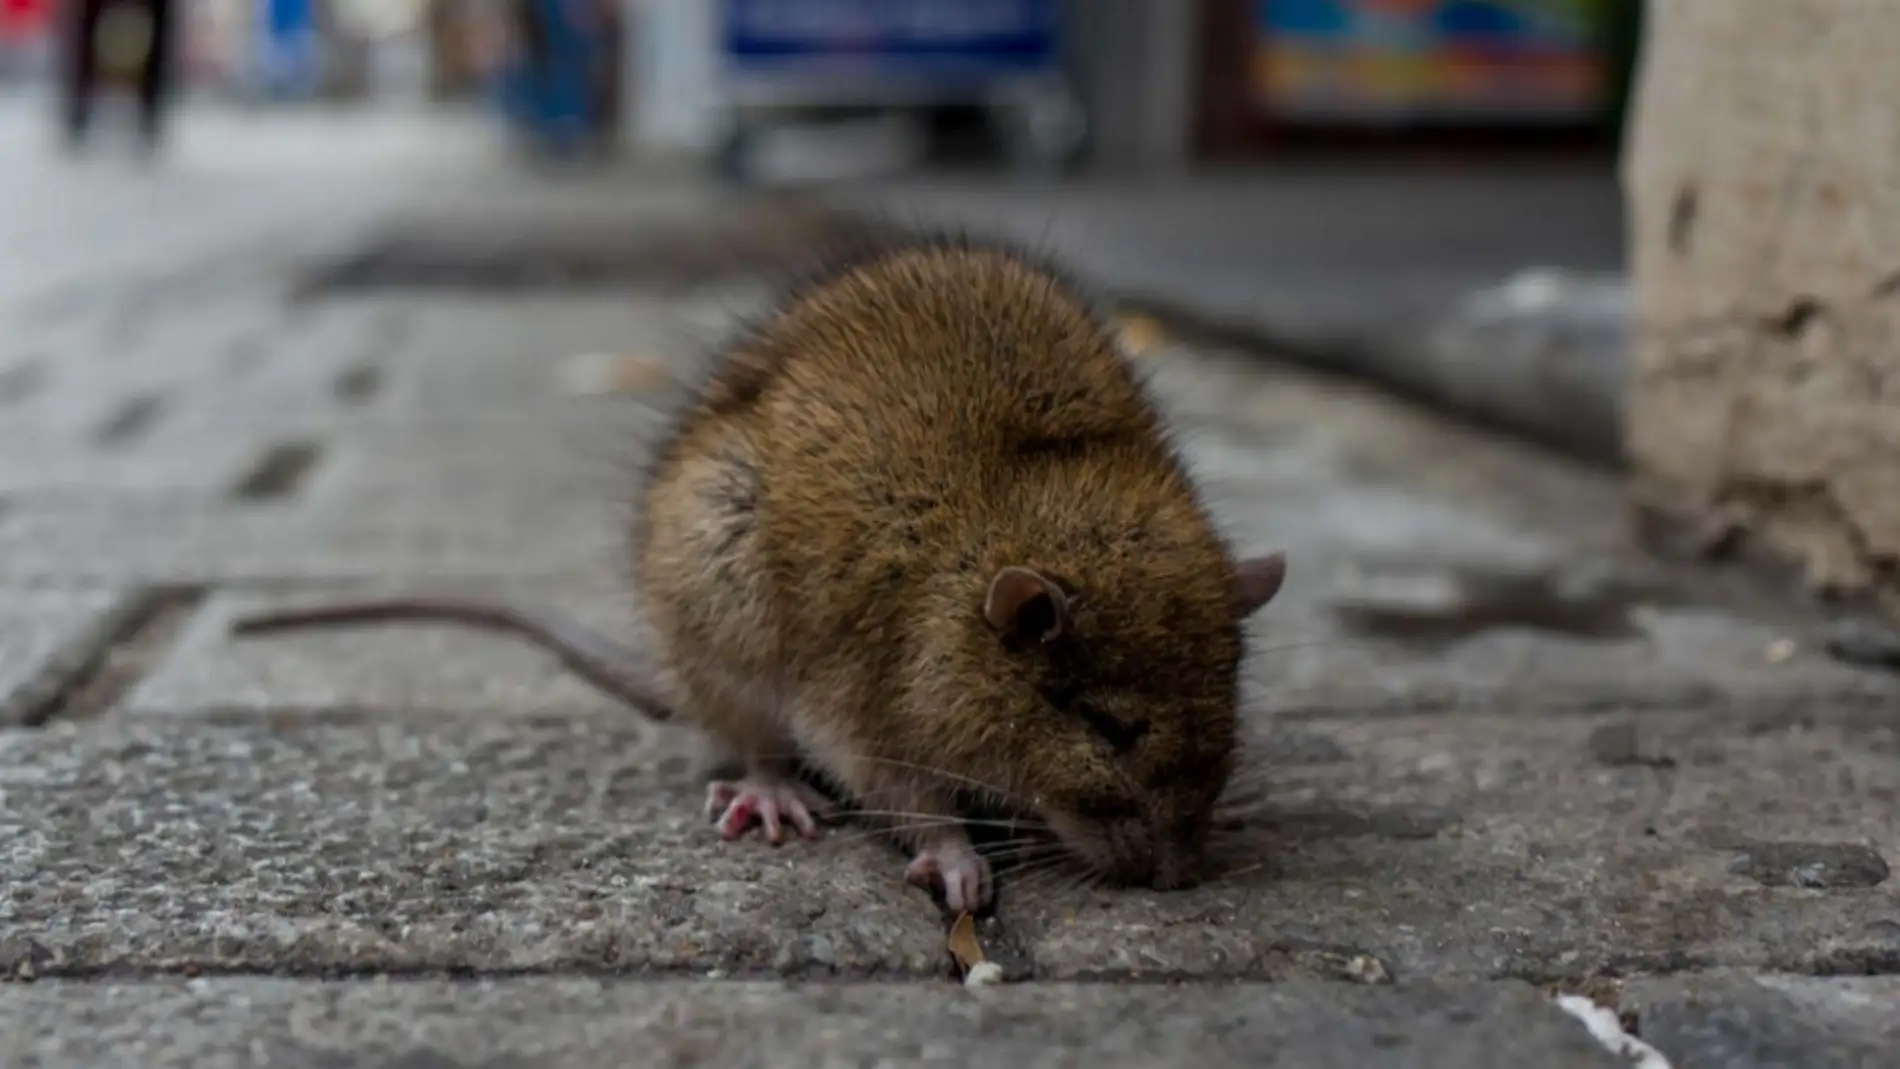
(930, 40)
(287, 56)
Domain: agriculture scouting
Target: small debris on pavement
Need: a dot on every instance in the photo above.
(1141, 335)
(967, 952)
(1780, 651)
(598, 374)
(1366, 969)
(1607, 1029)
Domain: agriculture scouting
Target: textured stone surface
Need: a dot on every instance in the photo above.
(475, 843)
(1499, 845)
(1761, 405)
(36, 462)
(1445, 569)
(519, 1023)
(46, 637)
(1735, 1021)
(368, 535)
(387, 667)
(1473, 847)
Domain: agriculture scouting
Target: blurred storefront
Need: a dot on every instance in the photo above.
(26, 38)
(1499, 71)
(1156, 82)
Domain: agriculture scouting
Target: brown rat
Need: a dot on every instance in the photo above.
(923, 529)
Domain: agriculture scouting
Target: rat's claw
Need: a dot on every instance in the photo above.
(736, 805)
(957, 871)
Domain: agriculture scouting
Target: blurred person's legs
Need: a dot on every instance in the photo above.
(80, 71)
(155, 79)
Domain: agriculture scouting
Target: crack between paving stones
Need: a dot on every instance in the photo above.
(116, 654)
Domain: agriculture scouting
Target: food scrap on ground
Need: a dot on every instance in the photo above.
(1140, 334)
(967, 952)
(597, 374)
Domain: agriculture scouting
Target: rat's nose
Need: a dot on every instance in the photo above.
(1176, 869)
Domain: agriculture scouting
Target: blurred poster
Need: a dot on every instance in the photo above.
(1444, 62)
(890, 41)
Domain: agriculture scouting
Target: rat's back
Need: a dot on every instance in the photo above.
(912, 417)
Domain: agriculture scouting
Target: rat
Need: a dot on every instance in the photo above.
(923, 531)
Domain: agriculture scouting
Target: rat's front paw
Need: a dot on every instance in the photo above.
(737, 804)
(956, 871)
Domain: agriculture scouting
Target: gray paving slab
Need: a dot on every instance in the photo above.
(47, 636)
(1310, 659)
(483, 843)
(381, 669)
(1486, 845)
(585, 451)
(354, 536)
(533, 1022)
(1475, 848)
(1406, 538)
(1773, 1021)
(42, 461)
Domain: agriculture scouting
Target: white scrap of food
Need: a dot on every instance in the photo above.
(984, 974)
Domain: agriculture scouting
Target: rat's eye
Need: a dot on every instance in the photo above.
(1121, 736)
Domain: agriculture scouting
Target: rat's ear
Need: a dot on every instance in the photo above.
(1256, 581)
(1026, 604)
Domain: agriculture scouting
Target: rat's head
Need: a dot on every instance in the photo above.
(1120, 702)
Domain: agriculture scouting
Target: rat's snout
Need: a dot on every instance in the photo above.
(1176, 869)
(1132, 859)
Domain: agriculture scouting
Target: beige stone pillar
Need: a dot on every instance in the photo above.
(1763, 173)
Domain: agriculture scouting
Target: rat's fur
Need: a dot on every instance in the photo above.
(822, 531)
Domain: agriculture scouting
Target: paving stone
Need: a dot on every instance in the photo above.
(353, 536)
(1431, 566)
(209, 1024)
(473, 843)
(585, 453)
(46, 638)
(42, 461)
(1774, 1021)
(383, 668)
(1490, 845)
(1308, 661)
(1476, 848)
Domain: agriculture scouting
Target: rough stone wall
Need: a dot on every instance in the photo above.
(1764, 179)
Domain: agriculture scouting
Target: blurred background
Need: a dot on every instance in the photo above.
(1447, 197)
(1147, 82)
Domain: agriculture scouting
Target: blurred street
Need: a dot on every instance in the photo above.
(1493, 751)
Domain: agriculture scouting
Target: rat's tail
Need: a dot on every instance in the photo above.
(617, 669)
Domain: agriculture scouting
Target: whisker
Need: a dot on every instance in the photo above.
(975, 822)
(1314, 643)
(1002, 794)
(1021, 854)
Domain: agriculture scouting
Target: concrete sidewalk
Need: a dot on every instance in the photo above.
(1493, 754)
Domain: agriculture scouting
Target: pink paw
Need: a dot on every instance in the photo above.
(736, 805)
(957, 870)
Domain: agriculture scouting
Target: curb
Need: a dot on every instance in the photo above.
(1542, 355)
